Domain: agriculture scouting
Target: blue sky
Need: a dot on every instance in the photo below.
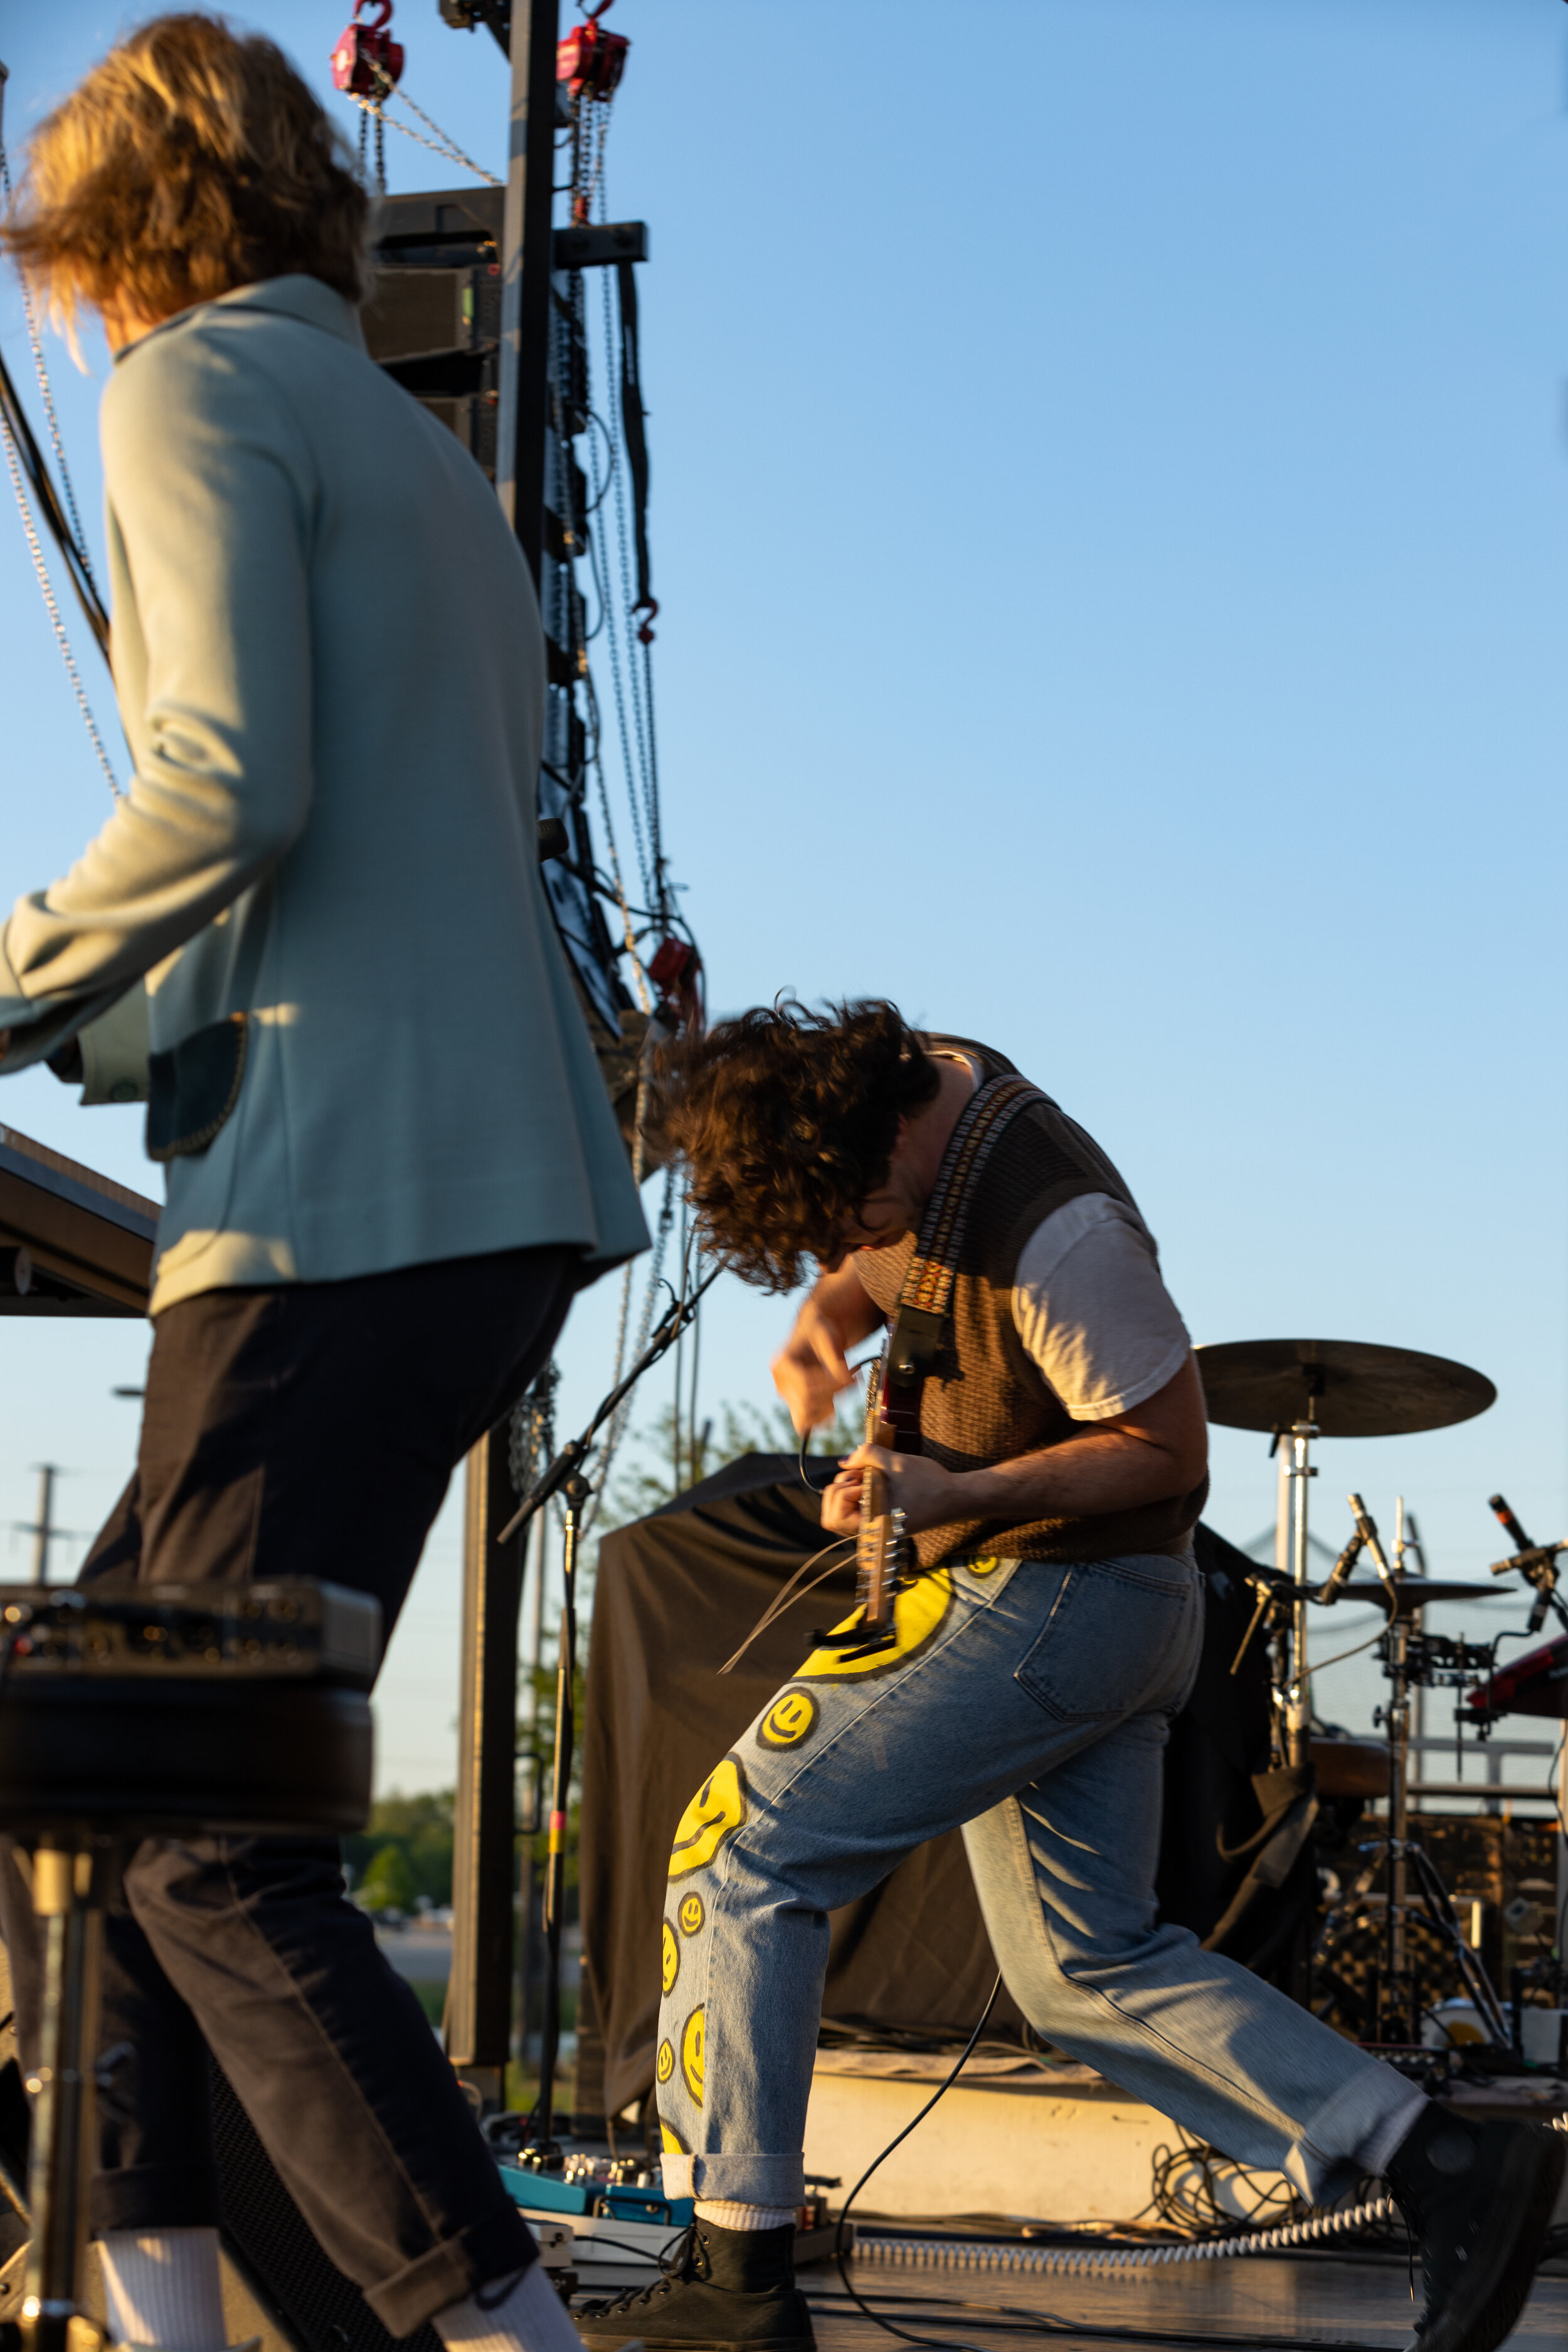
(1108, 517)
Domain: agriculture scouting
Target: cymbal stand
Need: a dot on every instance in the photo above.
(1293, 1693)
(1413, 1659)
(1396, 1717)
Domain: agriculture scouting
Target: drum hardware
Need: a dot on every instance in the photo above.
(1299, 1390)
(221, 1708)
(1413, 1659)
(1537, 1563)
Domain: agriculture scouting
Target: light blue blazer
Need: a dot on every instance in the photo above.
(330, 669)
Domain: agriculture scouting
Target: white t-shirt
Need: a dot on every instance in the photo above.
(1091, 1307)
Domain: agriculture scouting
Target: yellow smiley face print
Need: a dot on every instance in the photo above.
(789, 1720)
(669, 1956)
(987, 1567)
(691, 2038)
(691, 1915)
(664, 2064)
(715, 1812)
(672, 2141)
(919, 1613)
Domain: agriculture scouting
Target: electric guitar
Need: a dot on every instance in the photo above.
(880, 1547)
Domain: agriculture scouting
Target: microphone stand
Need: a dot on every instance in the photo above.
(564, 1478)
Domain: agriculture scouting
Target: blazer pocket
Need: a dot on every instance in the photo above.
(194, 1086)
(1108, 1644)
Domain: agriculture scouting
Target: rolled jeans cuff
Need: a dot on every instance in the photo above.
(745, 2179)
(1326, 2159)
(495, 2248)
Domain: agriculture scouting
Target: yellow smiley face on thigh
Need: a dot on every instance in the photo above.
(790, 1719)
(715, 1812)
(692, 2042)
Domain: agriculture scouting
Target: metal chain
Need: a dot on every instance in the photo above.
(654, 882)
(41, 369)
(14, 466)
(447, 150)
(34, 546)
(611, 622)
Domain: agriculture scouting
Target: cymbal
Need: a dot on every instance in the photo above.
(1349, 1388)
(1420, 1592)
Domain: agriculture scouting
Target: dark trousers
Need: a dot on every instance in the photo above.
(309, 1430)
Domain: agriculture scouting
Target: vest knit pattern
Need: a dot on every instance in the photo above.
(986, 1399)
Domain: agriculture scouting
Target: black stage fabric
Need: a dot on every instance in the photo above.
(676, 1594)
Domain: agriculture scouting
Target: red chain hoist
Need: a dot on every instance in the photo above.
(367, 61)
(591, 61)
(676, 971)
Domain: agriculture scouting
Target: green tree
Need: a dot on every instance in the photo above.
(660, 1469)
(388, 1884)
(421, 1829)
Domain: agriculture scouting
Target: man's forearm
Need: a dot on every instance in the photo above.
(844, 1298)
(1103, 1470)
(1156, 1451)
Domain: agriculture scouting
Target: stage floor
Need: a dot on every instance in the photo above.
(1255, 2302)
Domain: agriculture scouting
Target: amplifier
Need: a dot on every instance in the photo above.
(290, 1629)
(415, 313)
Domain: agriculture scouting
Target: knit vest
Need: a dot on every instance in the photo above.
(984, 1399)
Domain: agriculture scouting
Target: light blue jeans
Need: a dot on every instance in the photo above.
(1029, 1704)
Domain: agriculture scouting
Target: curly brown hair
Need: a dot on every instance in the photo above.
(191, 160)
(786, 1119)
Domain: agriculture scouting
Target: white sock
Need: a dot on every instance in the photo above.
(729, 2215)
(163, 2287)
(1383, 2139)
(511, 2312)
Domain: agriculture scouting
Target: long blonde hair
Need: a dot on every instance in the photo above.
(191, 160)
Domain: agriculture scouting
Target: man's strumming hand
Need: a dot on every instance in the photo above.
(928, 1495)
(813, 1365)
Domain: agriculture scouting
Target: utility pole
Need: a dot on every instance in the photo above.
(484, 1872)
(42, 1529)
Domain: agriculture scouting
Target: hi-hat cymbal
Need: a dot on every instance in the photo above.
(1420, 1591)
(1349, 1388)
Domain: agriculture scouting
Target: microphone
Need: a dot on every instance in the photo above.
(1366, 1527)
(1498, 1505)
(1341, 1569)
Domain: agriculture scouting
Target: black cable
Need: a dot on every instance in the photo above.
(1012, 2319)
(1015, 2320)
(850, 2289)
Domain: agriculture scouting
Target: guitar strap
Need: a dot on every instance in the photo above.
(920, 1320)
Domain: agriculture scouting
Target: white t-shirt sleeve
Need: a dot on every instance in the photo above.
(1092, 1311)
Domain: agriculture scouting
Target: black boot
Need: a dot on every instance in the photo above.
(1479, 2199)
(722, 2291)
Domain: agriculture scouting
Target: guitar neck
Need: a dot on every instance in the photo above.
(874, 1547)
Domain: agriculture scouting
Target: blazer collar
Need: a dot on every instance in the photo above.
(306, 298)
